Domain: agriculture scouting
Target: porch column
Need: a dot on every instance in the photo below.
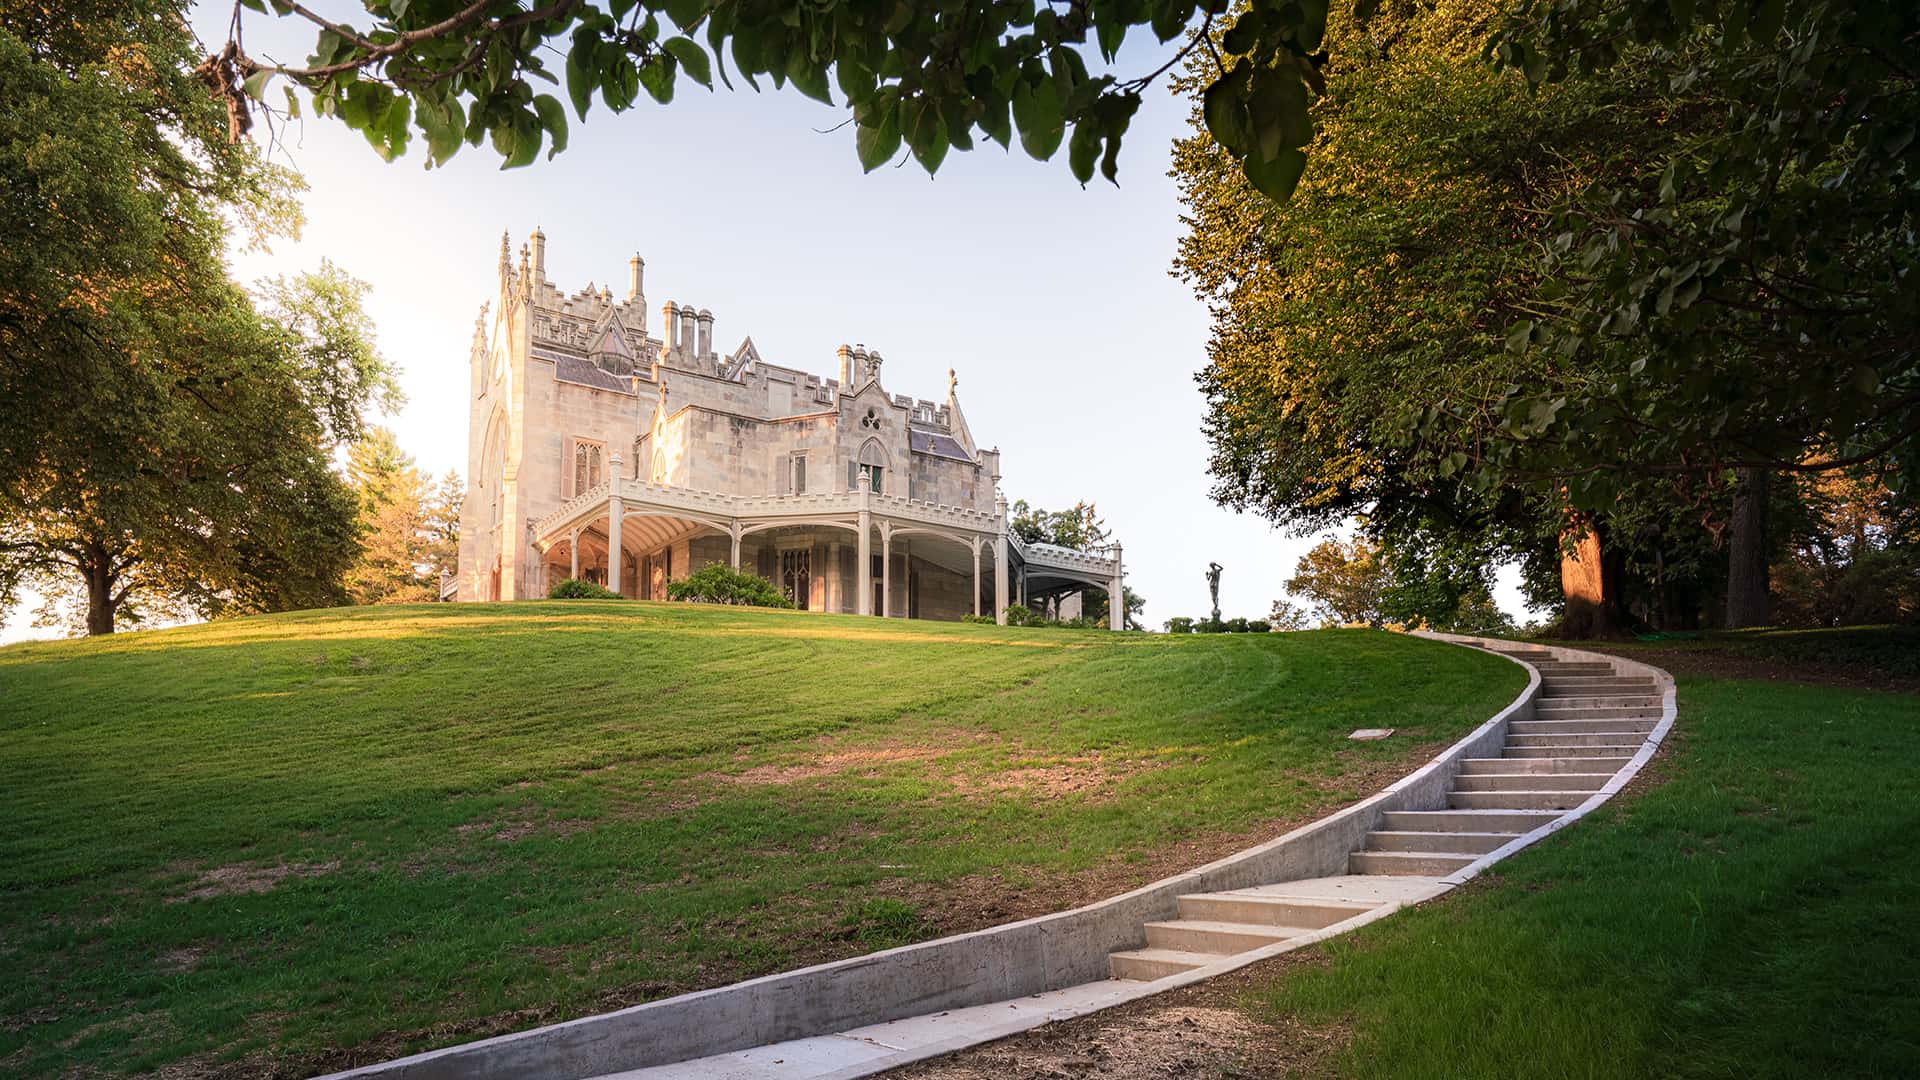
(614, 510)
(975, 544)
(573, 542)
(1117, 595)
(1000, 580)
(864, 602)
(735, 558)
(886, 569)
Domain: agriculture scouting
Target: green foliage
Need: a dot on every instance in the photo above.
(929, 78)
(576, 589)
(1344, 580)
(1259, 626)
(1079, 527)
(1287, 615)
(1850, 555)
(163, 440)
(394, 566)
(1439, 581)
(718, 583)
(1022, 615)
(1746, 283)
(1179, 624)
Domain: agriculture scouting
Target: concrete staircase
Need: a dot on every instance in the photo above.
(1588, 723)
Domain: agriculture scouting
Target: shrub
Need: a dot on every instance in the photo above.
(1180, 625)
(1022, 615)
(972, 618)
(575, 589)
(719, 583)
(1259, 626)
(1236, 625)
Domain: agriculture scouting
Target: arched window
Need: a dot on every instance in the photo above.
(659, 466)
(872, 468)
(586, 467)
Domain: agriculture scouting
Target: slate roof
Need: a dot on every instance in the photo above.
(938, 445)
(582, 372)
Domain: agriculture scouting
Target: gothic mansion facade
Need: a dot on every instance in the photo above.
(602, 448)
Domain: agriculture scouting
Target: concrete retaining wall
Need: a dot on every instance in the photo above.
(1044, 953)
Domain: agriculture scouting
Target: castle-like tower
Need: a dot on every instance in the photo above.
(600, 450)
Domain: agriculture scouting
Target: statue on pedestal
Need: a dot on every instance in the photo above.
(1213, 587)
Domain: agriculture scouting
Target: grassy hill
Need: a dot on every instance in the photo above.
(275, 845)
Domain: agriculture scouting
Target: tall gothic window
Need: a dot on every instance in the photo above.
(798, 473)
(873, 466)
(588, 468)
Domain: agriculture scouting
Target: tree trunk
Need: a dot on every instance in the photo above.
(1588, 589)
(99, 601)
(1747, 551)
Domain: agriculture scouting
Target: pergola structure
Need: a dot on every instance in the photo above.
(632, 516)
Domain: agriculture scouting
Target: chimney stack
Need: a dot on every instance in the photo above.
(636, 268)
(846, 368)
(539, 254)
(670, 326)
(705, 319)
(687, 318)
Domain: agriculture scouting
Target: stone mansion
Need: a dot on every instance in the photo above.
(604, 448)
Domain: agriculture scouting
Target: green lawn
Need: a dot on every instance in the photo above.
(1748, 913)
(280, 844)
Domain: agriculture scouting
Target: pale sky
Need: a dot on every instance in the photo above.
(1074, 346)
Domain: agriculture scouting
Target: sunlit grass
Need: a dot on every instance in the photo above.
(271, 840)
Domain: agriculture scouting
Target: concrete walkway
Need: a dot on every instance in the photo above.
(1595, 722)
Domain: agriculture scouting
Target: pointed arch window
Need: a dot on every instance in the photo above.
(872, 467)
(586, 467)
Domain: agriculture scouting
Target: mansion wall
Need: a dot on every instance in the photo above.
(566, 389)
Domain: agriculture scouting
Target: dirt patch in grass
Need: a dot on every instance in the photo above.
(237, 879)
(850, 761)
(1196, 1031)
(1090, 773)
(178, 961)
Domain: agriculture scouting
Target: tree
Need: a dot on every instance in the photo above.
(1079, 527)
(440, 519)
(1287, 615)
(157, 434)
(1358, 350)
(923, 75)
(394, 566)
(1344, 581)
(1094, 608)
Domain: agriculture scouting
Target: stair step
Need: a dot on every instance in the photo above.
(1477, 842)
(1603, 754)
(1220, 938)
(1146, 965)
(1544, 781)
(1266, 910)
(1580, 727)
(1573, 667)
(1471, 821)
(1517, 800)
(1586, 700)
(1571, 763)
(1570, 685)
(1422, 863)
(1551, 709)
(1612, 740)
